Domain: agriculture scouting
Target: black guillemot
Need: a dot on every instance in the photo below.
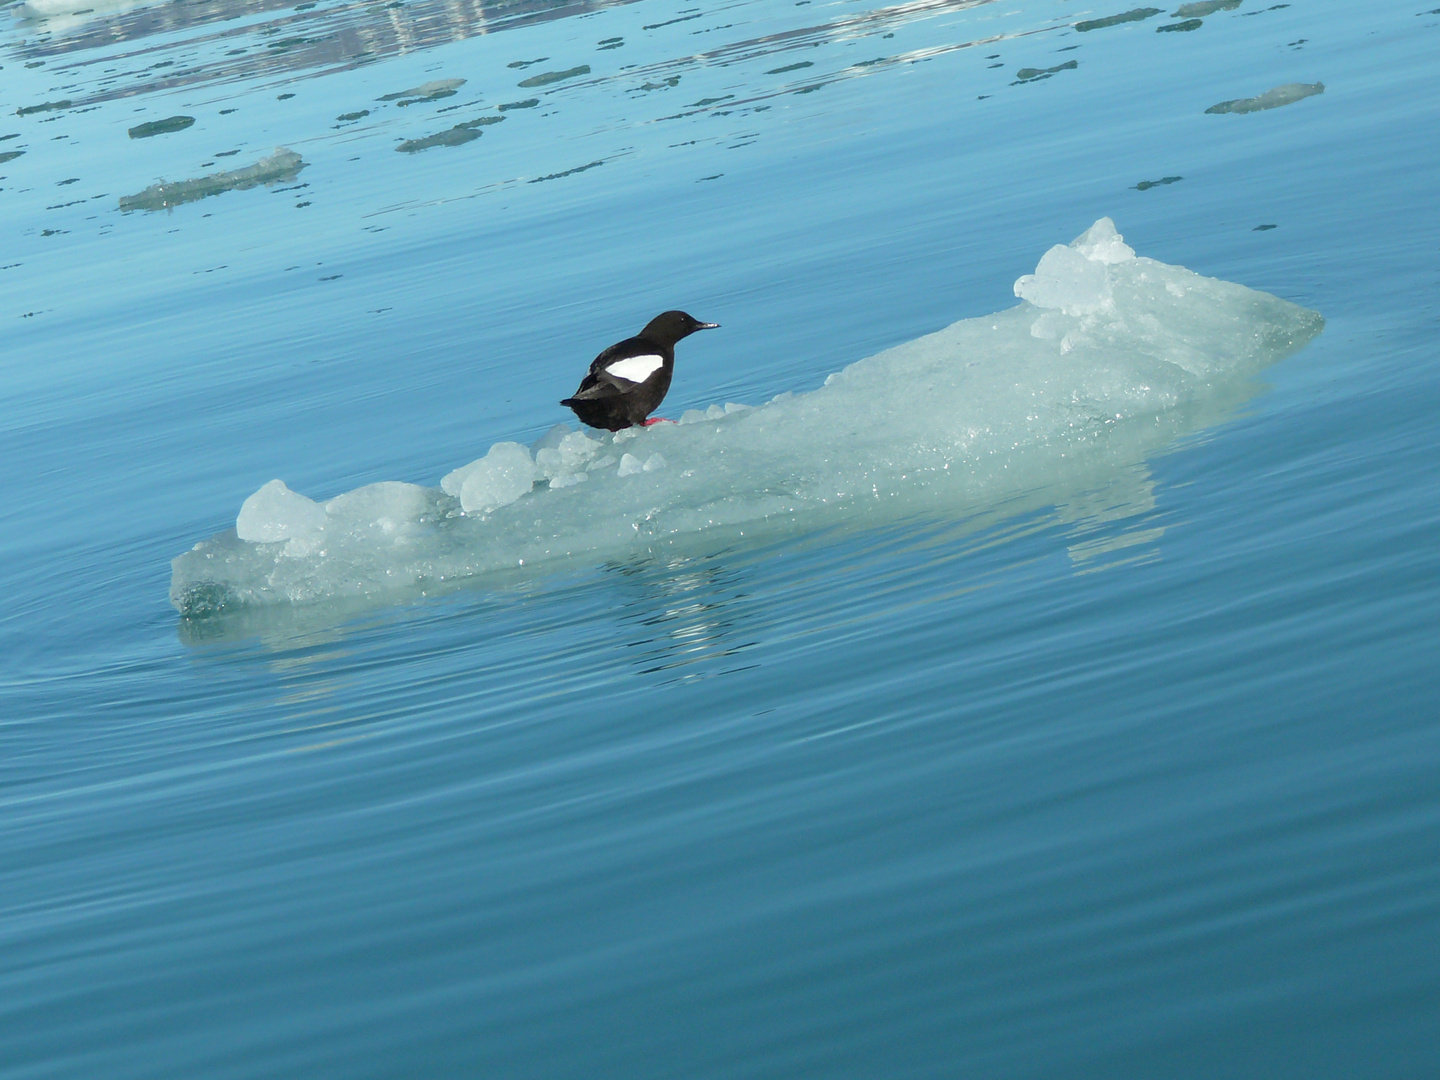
(627, 381)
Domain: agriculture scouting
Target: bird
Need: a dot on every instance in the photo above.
(627, 382)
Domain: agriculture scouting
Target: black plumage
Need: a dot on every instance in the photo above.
(627, 382)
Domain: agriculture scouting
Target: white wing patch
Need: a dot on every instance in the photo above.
(635, 369)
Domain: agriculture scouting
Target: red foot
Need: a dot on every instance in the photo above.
(656, 420)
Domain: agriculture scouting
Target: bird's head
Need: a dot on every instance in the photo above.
(671, 326)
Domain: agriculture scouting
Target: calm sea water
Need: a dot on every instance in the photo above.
(1134, 777)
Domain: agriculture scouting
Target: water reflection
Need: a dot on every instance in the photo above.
(315, 41)
(688, 612)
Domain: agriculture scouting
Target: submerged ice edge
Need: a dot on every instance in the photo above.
(1108, 358)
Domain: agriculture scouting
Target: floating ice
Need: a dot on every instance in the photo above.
(1270, 99)
(1202, 8)
(151, 128)
(1107, 360)
(1134, 15)
(458, 135)
(281, 165)
(498, 479)
(433, 90)
(275, 513)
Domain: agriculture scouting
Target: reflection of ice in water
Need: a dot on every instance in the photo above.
(1110, 357)
(681, 615)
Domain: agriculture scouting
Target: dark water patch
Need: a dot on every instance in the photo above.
(791, 67)
(548, 77)
(347, 117)
(458, 135)
(610, 43)
(528, 103)
(664, 84)
(283, 97)
(672, 22)
(10, 155)
(567, 172)
(1270, 99)
(526, 63)
(808, 89)
(227, 153)
(44, 106)
(434, 90)
(1204, 7)
(68, 182)
(1146, 185)
(12, 135)
(161, 127)
(1264, 228)
(709, 101)
(281, 165)
(1134, 15)
(1181, 27)
(1035, 74)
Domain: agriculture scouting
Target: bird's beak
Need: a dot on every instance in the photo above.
(708, 326)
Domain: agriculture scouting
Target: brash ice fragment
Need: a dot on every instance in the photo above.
(281, 165)
(1270, 99)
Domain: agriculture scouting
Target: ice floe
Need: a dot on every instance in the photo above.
(1108, 358)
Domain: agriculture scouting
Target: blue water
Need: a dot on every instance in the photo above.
(1129, 771)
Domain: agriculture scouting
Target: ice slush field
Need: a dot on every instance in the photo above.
(1036, 680)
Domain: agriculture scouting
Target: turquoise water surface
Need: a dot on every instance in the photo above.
(1054, 696)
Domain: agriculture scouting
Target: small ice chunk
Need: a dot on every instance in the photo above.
(569, 480)
(653, 462)
(577, 448)
(454, 480)
(569, 455)
(629, 466)
(734, 407)
(386, 505)
(691, 416)
(276, 513)
(1066, 281)
(498, 479)
(551, 439)
(715, 412)
(1103, 243)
